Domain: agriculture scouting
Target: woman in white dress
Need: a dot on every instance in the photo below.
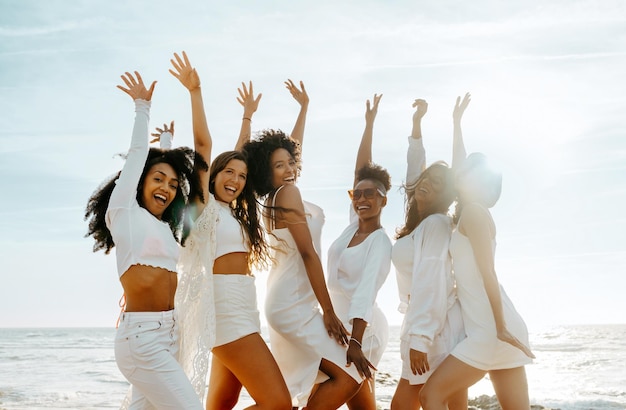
(432, 324)
(217, 293)
(497, 338)
(309, 345)
(358, 264)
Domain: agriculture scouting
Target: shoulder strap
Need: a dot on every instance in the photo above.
(272, 215)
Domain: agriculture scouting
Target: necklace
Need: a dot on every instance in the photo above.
(357, 233)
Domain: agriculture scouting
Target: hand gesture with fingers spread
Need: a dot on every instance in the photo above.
(157, 135)
(247, 100)
(460, 106)
(299, 94)
(186, 74)
(355, 355)
(135, 87)
(372, 110)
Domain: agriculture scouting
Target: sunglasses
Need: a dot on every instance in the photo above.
(368, 193)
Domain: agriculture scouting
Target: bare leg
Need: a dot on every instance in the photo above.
(365, 398)
(335, 391)
(458, 401)
(511, 388)
(407, 396)
(251, 362)
(224, 387)
(451, 378)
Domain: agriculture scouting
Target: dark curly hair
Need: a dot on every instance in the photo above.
(245, 208)
(412, 217)
(259, 151)
(374, 172)
(182, 160)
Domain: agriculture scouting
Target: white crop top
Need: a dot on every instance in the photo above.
(140, 238)
(229, 232)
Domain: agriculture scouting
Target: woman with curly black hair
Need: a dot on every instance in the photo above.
(304, 340)
(139, 212)
(358, 264)
(217, 292)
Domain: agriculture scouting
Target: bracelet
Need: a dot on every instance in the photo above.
(246, 118)
(357, 342)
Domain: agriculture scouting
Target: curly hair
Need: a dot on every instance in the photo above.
(374, 172)
(490, 177)
(412, 217)
(259, 151)
(182, 160)
(245, 208)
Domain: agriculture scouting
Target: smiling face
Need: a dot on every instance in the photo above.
(159, 188)
(284, 168)
(431, 191)
(230, 181)
(367, 199)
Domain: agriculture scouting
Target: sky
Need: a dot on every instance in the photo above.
(548, 103)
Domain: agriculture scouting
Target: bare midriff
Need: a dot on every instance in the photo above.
(149, 289)
(235, 263)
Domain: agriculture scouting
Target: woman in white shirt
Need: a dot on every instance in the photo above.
(139, 212)
(432, 324)
(358, 264)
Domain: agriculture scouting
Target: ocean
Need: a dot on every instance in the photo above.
(577, 367)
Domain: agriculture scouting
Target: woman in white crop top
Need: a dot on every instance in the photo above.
(309, 346)
(217, 294)
(139, 212)
(432, 323)
(358, 264)
(497, 338)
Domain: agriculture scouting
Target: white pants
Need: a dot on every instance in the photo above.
(146, 352)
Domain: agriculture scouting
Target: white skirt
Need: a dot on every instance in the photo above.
(236, 311)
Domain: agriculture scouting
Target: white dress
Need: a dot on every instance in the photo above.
(482, 349)
(355, 275)
(432, 321)
(298, 337)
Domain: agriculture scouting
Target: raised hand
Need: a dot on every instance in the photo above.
(135, 87)
(186, 74)
(460, 106)
(157, 135)
(355, 355)
(371, 111)
(335, 328)
(299, 94)
(247, 100)
(421, 108)
(507, 337)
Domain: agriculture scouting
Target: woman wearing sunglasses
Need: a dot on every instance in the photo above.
(358, 264)
(432, 323)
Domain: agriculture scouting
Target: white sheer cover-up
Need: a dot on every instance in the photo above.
(195, 299)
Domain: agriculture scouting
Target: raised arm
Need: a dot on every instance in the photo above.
(289, 198)
(164, 136)
(250, 104)
(416, 156)
(458, 147)
(364, 155)
(301, 96)
(188, 77)
(125, 191)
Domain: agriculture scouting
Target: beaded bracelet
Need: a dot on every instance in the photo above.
(357, 342)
